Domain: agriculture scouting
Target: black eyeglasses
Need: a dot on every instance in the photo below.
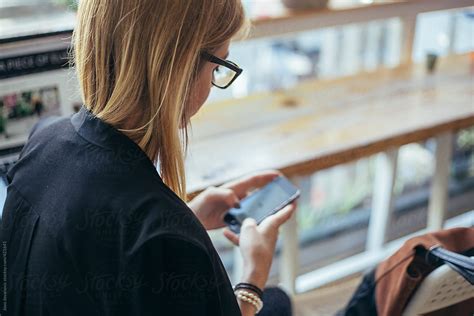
(222, 77)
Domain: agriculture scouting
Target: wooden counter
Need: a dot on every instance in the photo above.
(320, 124)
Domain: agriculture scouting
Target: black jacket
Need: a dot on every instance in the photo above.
(89, 228)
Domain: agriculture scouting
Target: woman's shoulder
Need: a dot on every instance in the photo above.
(159, 212)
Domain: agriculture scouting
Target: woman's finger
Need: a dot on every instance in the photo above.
(249, 223)
(249, 227)
(233, 238)
(259, 179)
(256, 180)
(231, 199)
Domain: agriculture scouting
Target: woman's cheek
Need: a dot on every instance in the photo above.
(203, 91)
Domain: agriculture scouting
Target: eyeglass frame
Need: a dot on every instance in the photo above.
(226, 63)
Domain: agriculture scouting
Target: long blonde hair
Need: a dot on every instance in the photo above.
(138, 58)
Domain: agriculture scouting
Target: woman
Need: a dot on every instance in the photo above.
(90, 227)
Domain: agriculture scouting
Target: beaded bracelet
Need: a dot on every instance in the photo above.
(249, 286)
(250, 298)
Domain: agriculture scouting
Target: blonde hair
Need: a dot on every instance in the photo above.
(138, 59)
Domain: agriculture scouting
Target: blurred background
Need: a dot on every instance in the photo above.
(287, 48)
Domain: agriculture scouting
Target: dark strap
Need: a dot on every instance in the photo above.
(459, 263)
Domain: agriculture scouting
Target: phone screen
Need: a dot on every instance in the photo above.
(263, 202)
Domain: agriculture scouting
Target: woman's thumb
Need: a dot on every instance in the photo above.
(248, 224)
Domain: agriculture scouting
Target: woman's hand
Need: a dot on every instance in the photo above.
(257, 244)
(212, 204)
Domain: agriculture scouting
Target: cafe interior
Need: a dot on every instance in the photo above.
(367, 106)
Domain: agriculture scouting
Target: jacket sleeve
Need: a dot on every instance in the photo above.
(178, 279)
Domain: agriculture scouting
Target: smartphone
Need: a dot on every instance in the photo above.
(262, 202)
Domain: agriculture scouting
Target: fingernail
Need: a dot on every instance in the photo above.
(237, 205)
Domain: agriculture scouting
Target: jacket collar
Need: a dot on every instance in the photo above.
(102, 134)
